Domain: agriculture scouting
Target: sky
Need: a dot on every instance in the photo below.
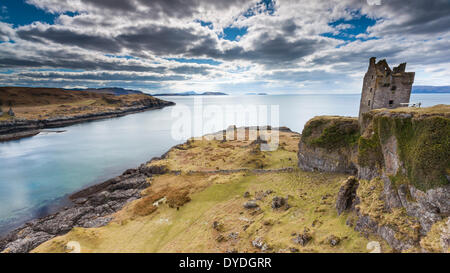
(232, 46)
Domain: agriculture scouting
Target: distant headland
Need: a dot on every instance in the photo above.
(192, 93)
(428, 89)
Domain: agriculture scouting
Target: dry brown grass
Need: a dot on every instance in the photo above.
(42, 103)
(441, 109)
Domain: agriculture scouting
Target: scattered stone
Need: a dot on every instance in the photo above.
(233, 235)
(278, 202)
(246, 194)
(250, 205)
(303, 238)
(11, 112)
(259, 243)
(374, 246)
(217, 226)
(245, 227)
(233, 250)
(333, 240)
(267, 223)
(293, 250)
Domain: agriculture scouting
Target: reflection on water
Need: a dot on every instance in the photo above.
(37, 172)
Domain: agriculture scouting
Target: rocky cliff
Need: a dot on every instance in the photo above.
(402, 158)
(328, 144)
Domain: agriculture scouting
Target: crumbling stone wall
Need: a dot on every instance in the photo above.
(385, 88)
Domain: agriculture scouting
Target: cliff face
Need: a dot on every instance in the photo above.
(328, 144)
(402, 159)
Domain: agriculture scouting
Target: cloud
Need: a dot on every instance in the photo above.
(138, 42)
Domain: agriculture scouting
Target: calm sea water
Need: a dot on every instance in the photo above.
(39, 172)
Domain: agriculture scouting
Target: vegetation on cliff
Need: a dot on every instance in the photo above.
(331, 132)
(423, 141)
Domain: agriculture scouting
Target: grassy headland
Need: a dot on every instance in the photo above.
(198, 205)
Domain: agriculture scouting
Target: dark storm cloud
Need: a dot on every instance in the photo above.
(161, 40)
(63, 59)
(103, 76)
(413, 17)
(154, 9)
(69, 37)
(189, 70)
(271, 51)
(165, 40)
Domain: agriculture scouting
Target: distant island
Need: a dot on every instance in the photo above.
(256, 94)
(428, 89)
(192, 93)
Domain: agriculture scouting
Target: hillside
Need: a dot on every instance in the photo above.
(110, 90)
(37, 108)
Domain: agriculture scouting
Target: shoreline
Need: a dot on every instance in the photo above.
(90, 207)
(18, 129)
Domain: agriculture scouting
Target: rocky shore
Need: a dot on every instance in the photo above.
(92, 207)
(20, 128)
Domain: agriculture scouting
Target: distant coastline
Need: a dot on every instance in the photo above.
(33, 108)
(428, 89)
(191, 93)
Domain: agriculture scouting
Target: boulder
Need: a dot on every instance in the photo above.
(250, 205)
(347, 194)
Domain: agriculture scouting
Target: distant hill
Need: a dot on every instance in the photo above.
(192, 93)
(110, 90)
(425, 89)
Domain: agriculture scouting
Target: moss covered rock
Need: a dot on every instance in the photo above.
(328, 143)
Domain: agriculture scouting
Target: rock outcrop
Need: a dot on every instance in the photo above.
(328, 144)
(346, 198)
(405, 156)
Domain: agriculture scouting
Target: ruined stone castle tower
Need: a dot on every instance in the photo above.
(385, 88)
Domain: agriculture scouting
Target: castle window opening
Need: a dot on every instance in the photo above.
(393, 88)
(368, 103)
(391, 102)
